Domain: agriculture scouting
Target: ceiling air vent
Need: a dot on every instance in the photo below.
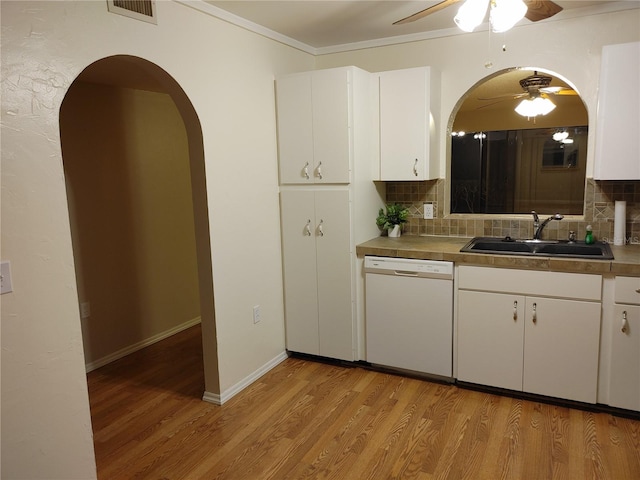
(144, 10)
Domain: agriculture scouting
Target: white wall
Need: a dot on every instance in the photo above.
(228, 75)
(570, 48)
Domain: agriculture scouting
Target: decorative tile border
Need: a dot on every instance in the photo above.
(600, 198)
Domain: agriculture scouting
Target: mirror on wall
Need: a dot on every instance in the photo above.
(503, 162)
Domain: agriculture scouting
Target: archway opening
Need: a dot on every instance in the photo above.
(134, 169)
(503, 162)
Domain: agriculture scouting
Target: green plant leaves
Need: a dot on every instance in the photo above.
(395, 215)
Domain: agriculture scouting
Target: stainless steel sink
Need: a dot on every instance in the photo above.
(539, 248)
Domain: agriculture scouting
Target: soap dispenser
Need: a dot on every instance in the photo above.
(588, 238)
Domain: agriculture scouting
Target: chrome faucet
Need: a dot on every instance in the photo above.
(538, 227)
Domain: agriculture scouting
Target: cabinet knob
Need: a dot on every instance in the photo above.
(534, 315)
(305, 170)
(625, 323)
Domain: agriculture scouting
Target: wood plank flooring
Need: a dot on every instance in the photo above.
(310, 420)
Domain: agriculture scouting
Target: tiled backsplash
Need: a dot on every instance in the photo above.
(600, 197)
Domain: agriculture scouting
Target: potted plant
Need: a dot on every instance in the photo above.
(392, 220)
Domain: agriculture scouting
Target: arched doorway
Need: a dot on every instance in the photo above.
(134, 167)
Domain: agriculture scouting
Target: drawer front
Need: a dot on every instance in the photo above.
(531, 282)
(628, 290)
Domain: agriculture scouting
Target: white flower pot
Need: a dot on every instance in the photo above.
(394, 232)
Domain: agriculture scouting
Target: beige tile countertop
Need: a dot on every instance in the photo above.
(626, 258)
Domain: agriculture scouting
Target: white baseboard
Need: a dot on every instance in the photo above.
(123, 352)
(219, 399)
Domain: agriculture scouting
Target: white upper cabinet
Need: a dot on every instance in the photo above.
(314, 125)
(409, 110)
(618, 121)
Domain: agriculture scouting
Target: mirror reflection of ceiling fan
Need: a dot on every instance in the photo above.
(472, 12)
(536, 91)
(533, 86)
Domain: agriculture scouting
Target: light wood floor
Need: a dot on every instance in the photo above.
(309, 420)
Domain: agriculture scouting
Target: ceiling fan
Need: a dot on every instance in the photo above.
(534, 86)
(536, 91)
(536, 10)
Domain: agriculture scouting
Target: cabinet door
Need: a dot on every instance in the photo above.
(334, 267)
(562, 339)
(617, 151)
(299, 263)
(331, 126)
(314, 127)
(295, 129)
(490, 338)
(404, 124)
(624, 377)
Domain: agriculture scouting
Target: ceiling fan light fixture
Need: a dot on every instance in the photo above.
(560, 136)
(505, 14)
(471, 14)
(532, 107)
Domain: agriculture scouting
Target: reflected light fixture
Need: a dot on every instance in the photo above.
(534, 106)
(503, 14)
(560, 136)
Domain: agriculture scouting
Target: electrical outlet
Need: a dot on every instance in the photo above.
(85, 310)
(5, 277)
(256, 314)
(428, 211)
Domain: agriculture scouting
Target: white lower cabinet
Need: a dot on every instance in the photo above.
(624, 374)
(512, 335)
(490, 339)
(561, 344)
(318, 274)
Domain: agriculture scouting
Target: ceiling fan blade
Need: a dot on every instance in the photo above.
(427, 11)
(504, 97)
(491, 104)
(541, 9)
(559, 90)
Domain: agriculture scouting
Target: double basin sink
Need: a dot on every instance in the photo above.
(539, 248)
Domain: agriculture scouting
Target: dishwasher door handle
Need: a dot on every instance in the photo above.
(405, 273)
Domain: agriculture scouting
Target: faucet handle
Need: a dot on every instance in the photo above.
(572, 236)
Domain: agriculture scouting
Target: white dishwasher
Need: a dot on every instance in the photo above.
(409, 314)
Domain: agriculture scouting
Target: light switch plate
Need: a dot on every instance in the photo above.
(5, 277)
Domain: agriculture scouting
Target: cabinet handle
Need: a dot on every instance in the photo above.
(625, 323)
(515, 310)
(307, 228)
(637, 290)
(415, 168)
(535, 314)
(319, 170)
(320, 231)
(305, 170)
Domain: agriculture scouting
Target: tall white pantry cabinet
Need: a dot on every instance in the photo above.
(328, 204)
